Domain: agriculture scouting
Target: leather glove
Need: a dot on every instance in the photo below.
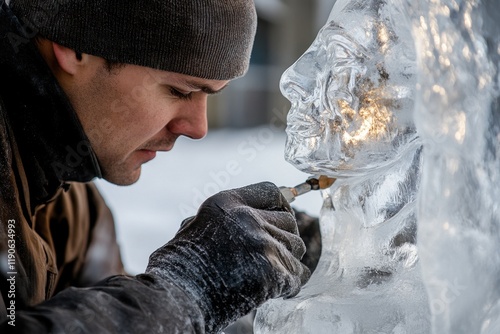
(241, 249)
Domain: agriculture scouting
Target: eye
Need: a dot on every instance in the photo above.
(180, 95)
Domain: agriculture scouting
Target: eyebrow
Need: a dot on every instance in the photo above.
(204, 88)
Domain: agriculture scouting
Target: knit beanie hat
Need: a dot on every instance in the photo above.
(210, 39)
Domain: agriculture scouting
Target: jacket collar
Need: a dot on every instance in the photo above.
(53, 146)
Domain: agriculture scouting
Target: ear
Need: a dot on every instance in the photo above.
(68, 60)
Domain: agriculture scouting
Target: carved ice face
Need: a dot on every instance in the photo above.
(351, 92)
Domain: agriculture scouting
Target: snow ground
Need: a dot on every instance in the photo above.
(172, 186)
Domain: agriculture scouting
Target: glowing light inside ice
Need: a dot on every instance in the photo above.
(373, 116)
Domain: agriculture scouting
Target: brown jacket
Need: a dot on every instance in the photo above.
(55, 229)
(52, 235)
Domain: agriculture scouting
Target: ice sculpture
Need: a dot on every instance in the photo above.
(352, 96)
(458, 119)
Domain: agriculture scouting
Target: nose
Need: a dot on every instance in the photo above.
(191, 119)
(298, 82)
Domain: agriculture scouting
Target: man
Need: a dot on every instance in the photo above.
(94, 89)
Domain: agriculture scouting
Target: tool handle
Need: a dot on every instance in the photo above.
(288, 194)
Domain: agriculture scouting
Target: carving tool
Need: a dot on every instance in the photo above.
(312, 183)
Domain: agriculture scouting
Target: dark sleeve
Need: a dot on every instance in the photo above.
(119, 304)
(79, 229)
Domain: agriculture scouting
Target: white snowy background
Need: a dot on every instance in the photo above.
(172, 186)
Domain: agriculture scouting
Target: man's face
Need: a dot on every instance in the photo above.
(132, 112)
(351, 93)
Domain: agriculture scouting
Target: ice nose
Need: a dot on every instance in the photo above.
(296, 87)
(294, 92)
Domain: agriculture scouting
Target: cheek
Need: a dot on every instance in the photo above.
(137, 110)
(127, 110)
(139, 124)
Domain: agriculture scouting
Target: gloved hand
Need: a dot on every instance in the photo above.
(241, 249)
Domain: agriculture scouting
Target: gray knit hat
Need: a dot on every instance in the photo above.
(210, 39)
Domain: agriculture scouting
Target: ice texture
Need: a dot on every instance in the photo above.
(399, 100)
(457, 116)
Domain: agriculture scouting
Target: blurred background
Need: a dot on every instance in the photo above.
(245, 143)
(285, 30)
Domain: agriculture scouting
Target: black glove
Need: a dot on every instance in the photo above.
(241, 249)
